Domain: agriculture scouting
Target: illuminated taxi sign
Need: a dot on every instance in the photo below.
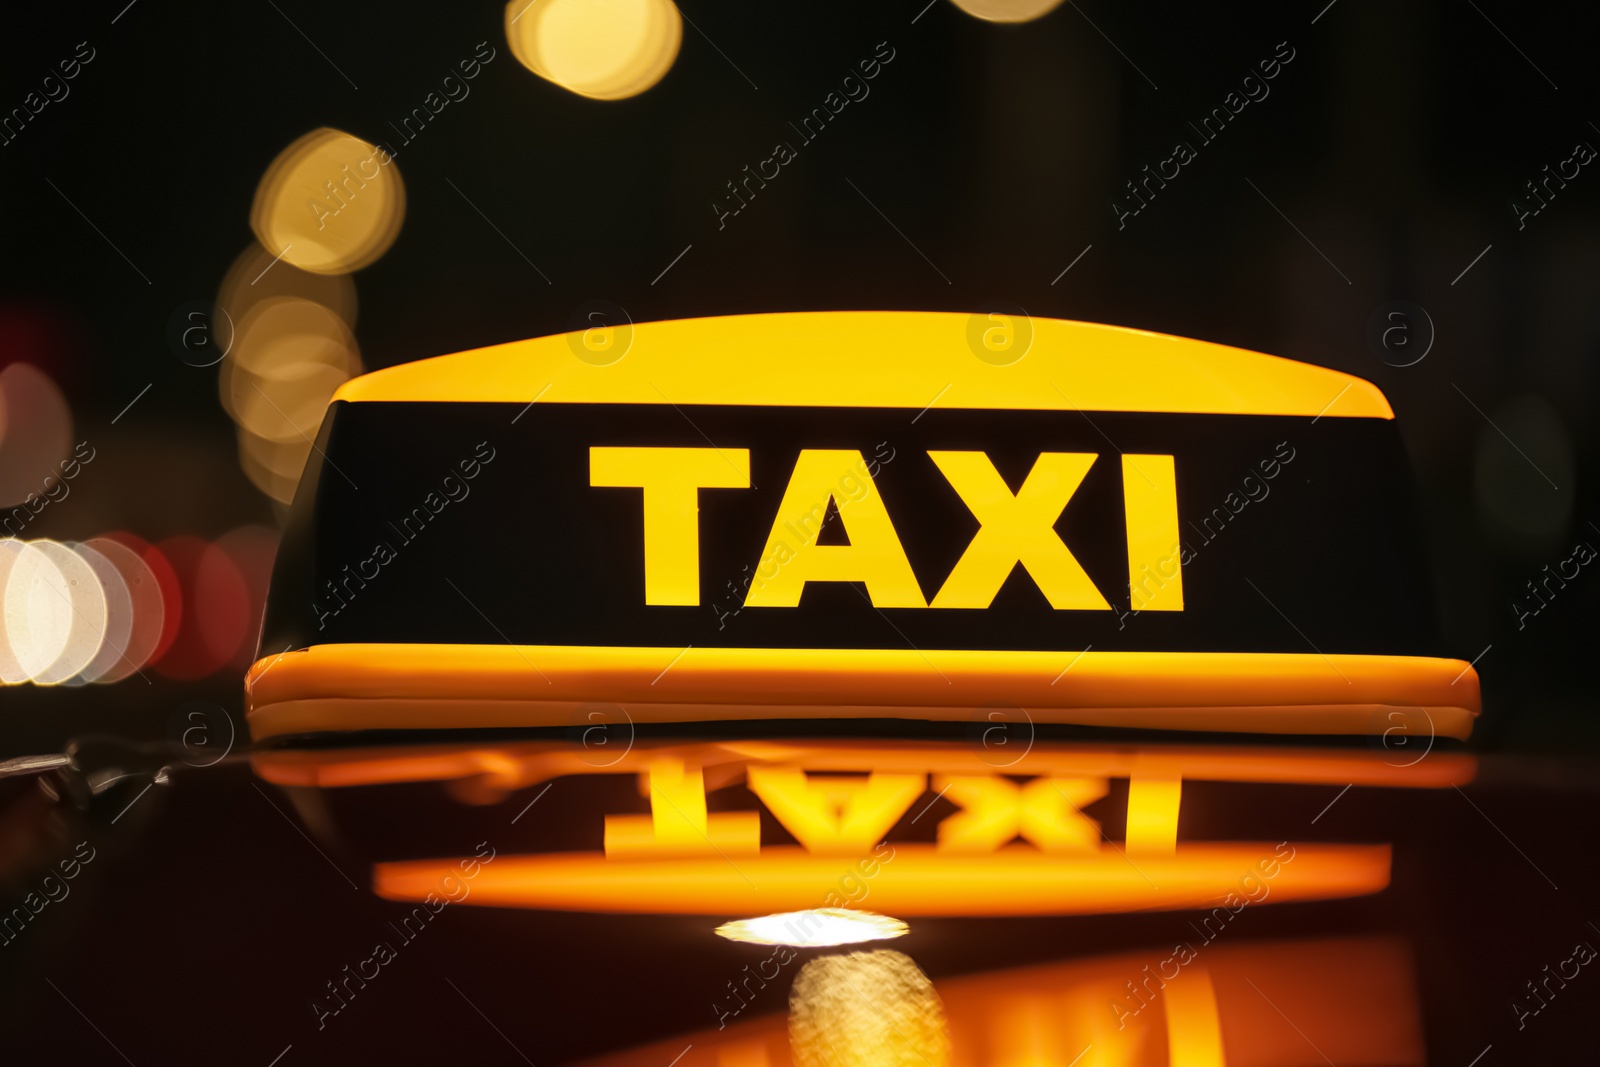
(840, 515)
(1015, 528)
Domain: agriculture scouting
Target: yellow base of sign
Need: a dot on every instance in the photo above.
(353, 687)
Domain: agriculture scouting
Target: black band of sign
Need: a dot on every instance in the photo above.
(1294, 534)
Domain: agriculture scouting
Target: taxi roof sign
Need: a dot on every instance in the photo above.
(855, 515)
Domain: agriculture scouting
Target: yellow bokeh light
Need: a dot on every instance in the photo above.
(866, 1009)
(330, 203)
(274, 467)
(814, 928)
(289, 354)
(289, 408)
(604, 49)
(282, 348)
(1007, 10)
(280, 336)
(257, 276)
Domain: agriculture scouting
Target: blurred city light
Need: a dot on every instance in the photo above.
(101, 610)
(38, 613)
(290, 353)
(330, 203)
(286, 408)
(280, 336)
(252, 549)
(273, 466)
(166, 580)
(215, 609)
(84, 603)
(1007, 10)
(145, 608)
(35, 437)
(258, 275)
(113, 641)
(604, 49)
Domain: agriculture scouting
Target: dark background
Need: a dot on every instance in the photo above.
(1395, 141)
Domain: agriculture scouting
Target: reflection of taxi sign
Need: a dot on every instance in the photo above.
(856, 515)
(931, 826)
(1192, 1003)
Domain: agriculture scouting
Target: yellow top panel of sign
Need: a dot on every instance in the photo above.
(895, 359)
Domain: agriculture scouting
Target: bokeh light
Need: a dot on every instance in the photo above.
(216, 609)
(289, 408)
(38, 331)
(252, 549)
(84, 602)
(290, 355)
(330, 203)
(35, 437)
(118, 619)
(279, 336)
(38, 613)
(166, 579)
(146, 611)
(11, 671)
(258, 275)
(274, 467)
(100, 610)
(604, 49)
(1007, 10)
